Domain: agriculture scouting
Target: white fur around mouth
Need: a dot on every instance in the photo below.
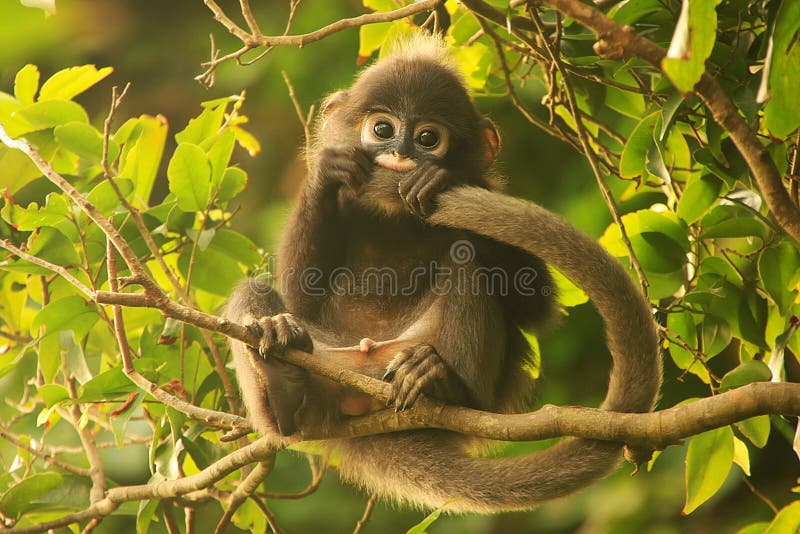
(394, 163)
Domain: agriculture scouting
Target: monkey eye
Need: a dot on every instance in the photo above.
(428, 138)
(383, 129)
(378, 128)
(432, 138)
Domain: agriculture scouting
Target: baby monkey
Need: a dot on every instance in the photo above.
(361, 261)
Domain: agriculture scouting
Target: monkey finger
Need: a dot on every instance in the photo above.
(426, 196)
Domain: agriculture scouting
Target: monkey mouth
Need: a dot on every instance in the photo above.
(395, 163)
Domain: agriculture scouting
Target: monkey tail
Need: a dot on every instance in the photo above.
(438, 470)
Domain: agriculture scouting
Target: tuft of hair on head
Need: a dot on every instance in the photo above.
(421, 45)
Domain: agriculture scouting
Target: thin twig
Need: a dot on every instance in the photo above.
(365, 516)
(246, 488)
(591, 157)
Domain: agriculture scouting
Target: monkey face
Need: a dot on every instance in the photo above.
(399, 144)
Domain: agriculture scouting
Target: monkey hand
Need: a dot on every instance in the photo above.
(285, 383)
(344, 166)
(419, 187)
(420, 369)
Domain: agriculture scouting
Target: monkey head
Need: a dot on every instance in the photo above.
(412, 116)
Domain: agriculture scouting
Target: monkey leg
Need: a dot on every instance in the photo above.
(273, 390)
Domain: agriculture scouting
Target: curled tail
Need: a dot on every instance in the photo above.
(429, 468)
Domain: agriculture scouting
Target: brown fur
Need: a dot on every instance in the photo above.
(469, 342)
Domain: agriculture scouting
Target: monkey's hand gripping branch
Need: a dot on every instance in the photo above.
(459, 208)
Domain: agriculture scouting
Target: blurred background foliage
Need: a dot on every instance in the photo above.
(158, 46)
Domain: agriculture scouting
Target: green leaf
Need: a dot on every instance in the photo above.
(632, 162)
(67, 83)
(85, 141)
(146, 515)
(691, 43)
(787, 521)
(233, 182)
(371, 38)
(205, 125)
(218, 268)
(105, 198)
(68, 313)
(220, 155)
(741, 456)
(708, 462)
(698, 197)
(51, 245)
(732, 221)
(745, 373)
(569, 295)
(143, 140)
(42, 115)
(626, 13)
(781, 72)
(26, 83)
(52, 394)
(683, 326)
(108, 385)
(189, 174)
(716, 335)
(777, 268)
(756, 429)
(776, 357)
(53, 213)
(422, 526)
(23, 496)
(754, 528)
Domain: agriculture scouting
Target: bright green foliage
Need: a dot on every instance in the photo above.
(68, 333)
(692, 43)
(721, 275)
(708, 461)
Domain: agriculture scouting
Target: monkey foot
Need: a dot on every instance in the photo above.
(279, 332)
(417, 369)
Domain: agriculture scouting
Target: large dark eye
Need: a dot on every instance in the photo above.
(428, 138)
(383, 130)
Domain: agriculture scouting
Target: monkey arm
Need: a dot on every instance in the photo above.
(310, 249)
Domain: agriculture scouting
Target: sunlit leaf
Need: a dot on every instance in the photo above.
(781, 72)
(233, 182)
(708, 462)
(189, 174)
(691, 43)
(787, 521)
(68, 313)
(741, 456)
(85, 141)
(47, 114)
(777, 267)
(700, 194)
(203, 126)
(67, 83)
(143, 140)
(26, 83)
(745, 373)
(638, 144)
(756, 429)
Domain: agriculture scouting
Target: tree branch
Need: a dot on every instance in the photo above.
(615, 41)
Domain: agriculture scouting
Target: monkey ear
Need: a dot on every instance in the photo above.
(491, 142)
(334, 100)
